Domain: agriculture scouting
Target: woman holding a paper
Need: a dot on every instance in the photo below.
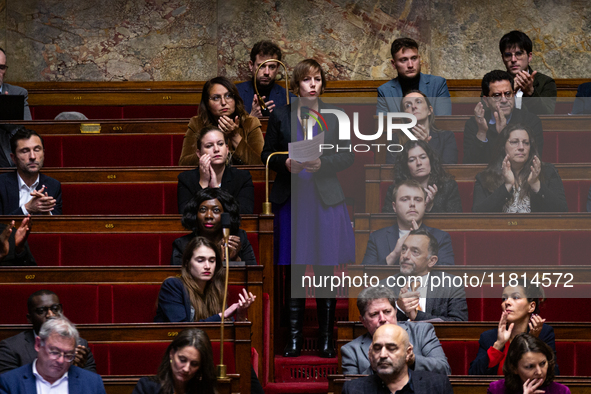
(308, 199)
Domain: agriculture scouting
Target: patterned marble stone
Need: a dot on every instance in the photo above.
(110, 40)
(179, 40)
(350, 39)
(468, 44)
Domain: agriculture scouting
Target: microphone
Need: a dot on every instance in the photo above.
(305, 115)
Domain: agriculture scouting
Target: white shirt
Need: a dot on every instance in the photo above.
(518, 97)
(60, 386)
(422, 292)
(24, 192)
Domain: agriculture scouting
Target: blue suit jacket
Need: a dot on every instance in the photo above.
(246, 91)
(582, 104)
(174, 304)
(383, 241)
(390, 93)
(9, 197)
(22, 381)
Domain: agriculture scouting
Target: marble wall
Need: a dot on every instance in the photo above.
(188, 40)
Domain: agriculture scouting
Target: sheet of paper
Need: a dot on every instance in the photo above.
(306, 150)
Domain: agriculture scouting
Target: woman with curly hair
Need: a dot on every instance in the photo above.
(516, 180)
(419, 162)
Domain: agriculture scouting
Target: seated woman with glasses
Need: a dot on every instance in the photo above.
(222, 107)
(492, 114)
(516, 180)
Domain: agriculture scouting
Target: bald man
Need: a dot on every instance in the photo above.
(389, 353)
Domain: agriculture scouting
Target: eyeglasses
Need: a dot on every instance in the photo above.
(509, 55)
(227, 97)
(54, 355)
(3, 67)
(55, 308)
(498, 96)
(515, 143)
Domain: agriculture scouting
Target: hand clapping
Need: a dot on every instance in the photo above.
(534, 176)
(524, 81)
(207, 177)
(431, 191)
(508, 174)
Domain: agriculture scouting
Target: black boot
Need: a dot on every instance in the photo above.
(293, 348)
(326, 316)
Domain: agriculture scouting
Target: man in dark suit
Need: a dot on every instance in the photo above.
(19, 350)
(273, 94)
(55, 348)
(409, 203)
(377, 306)
(14, 249)
(495, 111)
(582, 103)
(407, 63)
(10, 89)
(389, 354)
(433, 295)
(534, 91)
(27, 191)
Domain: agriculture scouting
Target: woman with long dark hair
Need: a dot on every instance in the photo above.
(443, 142)
(529, 369)
(516, 180)
(322, 232)
(222, 107)
(186, 368)
(198, 294)
(215, 171)
(202, 216)
(419, 162)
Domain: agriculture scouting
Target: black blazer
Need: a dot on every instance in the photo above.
(236, 182)
(9, 196)
(12, 259)
(20, 350)
(476, 151)
(246, 253)
(422, 382)
(282, 130)
(146, 385)
(550, 198)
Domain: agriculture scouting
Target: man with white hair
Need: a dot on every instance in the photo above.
(52, 371)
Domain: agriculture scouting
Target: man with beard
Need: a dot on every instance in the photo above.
(272, 94)
(27, 191)
(424, 294)
(389, 354)
(495, 111)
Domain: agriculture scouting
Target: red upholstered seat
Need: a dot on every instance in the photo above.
(582, 365)
(573, 147)
(83, 304)
(566, 358)
(511, 248)
(49, 112)
(124, 358)
(119, 199)
(459, 355)
(460, 144)
(134, 304)
(159, 111)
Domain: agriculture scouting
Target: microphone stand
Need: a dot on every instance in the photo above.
(226, 232)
